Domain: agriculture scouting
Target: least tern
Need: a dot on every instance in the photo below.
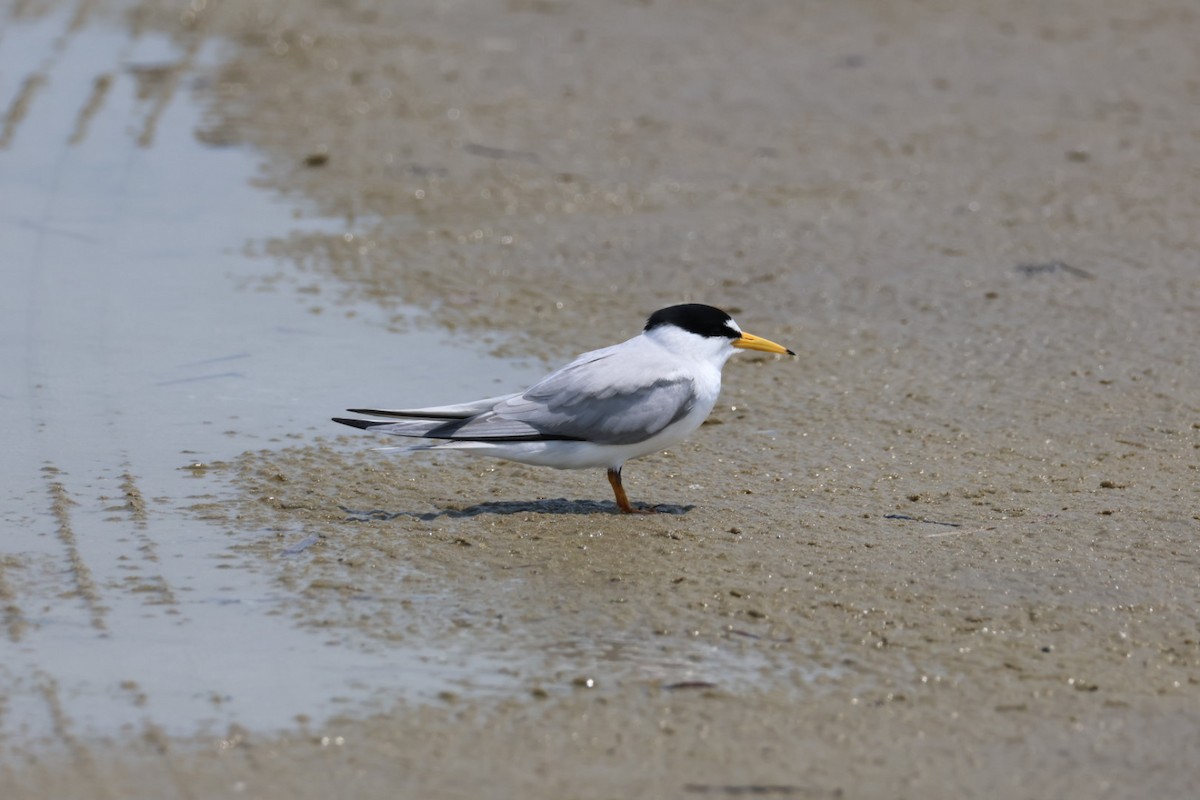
(604, 408)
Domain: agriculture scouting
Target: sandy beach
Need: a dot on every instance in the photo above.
(948, 551)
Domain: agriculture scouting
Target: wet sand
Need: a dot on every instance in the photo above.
(948, 551)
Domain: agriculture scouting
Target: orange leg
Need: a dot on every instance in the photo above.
(614, 477)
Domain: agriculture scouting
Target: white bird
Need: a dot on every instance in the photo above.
(602, 409)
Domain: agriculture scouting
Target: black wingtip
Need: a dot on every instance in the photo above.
(362, 424)
(416, 413)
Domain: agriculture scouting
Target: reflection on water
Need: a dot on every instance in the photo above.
(129, 353)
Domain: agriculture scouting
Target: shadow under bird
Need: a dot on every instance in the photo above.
(604, 408)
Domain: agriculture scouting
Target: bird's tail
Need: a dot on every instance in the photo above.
(417, 428)
(455, 411)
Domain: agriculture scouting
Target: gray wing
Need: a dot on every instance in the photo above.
(592, 399)
(610, 396)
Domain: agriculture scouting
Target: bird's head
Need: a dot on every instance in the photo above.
(705, 332)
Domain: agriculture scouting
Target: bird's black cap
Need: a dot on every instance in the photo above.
(695, 318)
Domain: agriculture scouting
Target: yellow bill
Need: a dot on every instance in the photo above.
(748, 341)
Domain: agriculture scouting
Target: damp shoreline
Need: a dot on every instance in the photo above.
(947, 551)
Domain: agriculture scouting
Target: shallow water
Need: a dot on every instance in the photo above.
(140, 344)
